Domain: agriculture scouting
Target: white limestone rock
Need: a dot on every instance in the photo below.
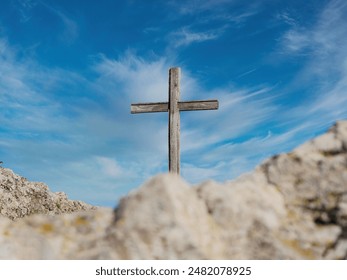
(164, 219)
(20, 198)
(77, 235)
(293, 206)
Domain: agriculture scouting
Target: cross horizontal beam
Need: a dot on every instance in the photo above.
(138, 108)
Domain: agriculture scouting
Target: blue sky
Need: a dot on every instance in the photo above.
(70, 69)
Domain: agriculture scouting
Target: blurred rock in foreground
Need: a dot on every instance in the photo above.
(293, 206)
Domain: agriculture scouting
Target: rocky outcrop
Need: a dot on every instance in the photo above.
(293, 206)
(20, 198)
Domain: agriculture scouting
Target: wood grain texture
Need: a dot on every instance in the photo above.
(174, 120)
(198, 105)
(157, 107)
(149, 107)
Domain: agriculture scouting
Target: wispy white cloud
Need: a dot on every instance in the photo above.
(287, 18)
(323, 38)
(322, 80)
(319, 87)
(222, 11)
(240, 111)
(296, 41)
(196, 6)
(223, 150)
(70, 31)
(39, 123)
(139, 78)
(239, 18)
(220, 14)
(325, 68)
(247, 73)
(185, 37)
(110, 167)
(25, 8)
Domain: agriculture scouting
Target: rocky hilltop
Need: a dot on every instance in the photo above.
(20, 198)
(292, 206)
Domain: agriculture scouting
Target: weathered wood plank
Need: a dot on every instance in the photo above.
(174, 120)
(198, 105)
(138, 108)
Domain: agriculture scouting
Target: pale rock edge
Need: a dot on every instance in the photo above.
(20, 197)
(293, 206)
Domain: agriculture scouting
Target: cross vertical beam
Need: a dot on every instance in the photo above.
(174, 120)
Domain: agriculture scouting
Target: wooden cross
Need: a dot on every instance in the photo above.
(173, 107)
